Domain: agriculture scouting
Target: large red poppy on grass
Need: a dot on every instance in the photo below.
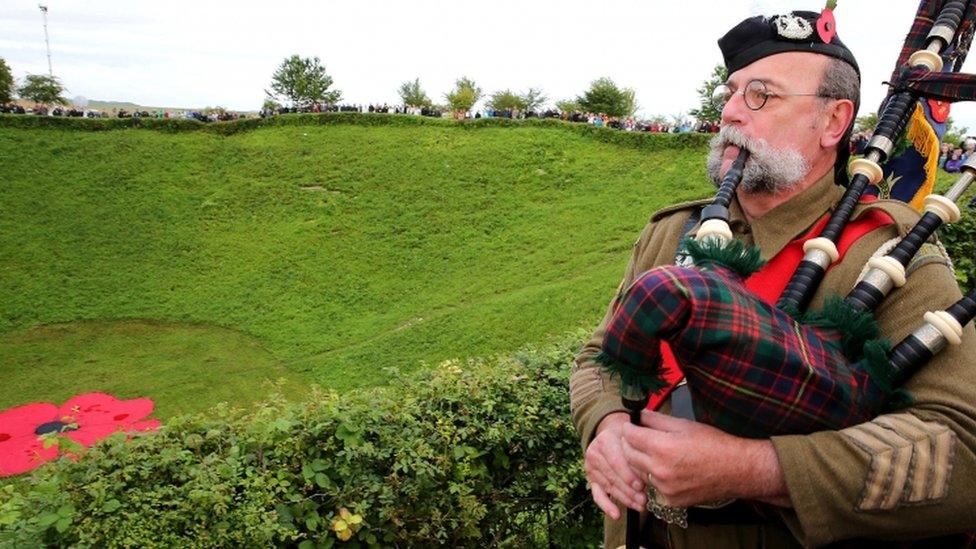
(84, 419)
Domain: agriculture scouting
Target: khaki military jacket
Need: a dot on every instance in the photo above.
(904, 475)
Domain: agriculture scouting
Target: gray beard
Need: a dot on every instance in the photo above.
(767, 171)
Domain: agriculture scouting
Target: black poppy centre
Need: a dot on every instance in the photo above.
(55, 427)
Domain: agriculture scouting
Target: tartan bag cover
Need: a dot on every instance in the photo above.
(752, 369)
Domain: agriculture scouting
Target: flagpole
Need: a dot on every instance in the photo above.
(47, 42)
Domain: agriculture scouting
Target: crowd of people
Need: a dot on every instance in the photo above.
(209, 115)
(212, 115)
(630, 124)
(951, 156)
(376, 108)
(594, 119)
(12, 108)
(600, 120)
(57, 110)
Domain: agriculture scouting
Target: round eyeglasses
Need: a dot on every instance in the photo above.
(754, 95)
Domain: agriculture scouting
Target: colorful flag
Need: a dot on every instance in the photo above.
(910, 174)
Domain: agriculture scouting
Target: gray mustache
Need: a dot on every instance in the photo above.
(730, 135)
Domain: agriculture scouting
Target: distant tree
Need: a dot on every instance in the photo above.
(270, 105)
(42, 89)
(413, 95)
(533, 99)
(680, 122)
(953, 133)
(6, 82)
(866, 123)
(630, 102)
(302, 81)
(568, 106)
(604, 96)
(505, 100)
(464, 95)
(706, 111)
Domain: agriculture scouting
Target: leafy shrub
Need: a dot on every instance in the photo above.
(168, 125)
(641, 140)
(960, 239)
(474, 454)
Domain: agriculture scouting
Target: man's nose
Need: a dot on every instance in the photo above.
(735, 110)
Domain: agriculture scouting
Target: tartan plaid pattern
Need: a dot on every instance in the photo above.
(949, 85)
(925, 16)
(943, 86)
(752, 370)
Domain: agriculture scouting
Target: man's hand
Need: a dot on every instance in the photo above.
(607, 470)
(690, 463)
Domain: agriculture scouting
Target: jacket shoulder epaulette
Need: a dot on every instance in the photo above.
(905, 217)
(675, 208)
(902, 214)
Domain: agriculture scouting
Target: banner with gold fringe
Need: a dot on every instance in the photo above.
(910, 174)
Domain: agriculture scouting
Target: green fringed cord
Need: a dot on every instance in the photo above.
(860, 342)
(732, 254)
(858, 328)
(640, 381)
(877, 364)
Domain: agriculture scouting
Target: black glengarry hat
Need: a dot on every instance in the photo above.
(762, 36)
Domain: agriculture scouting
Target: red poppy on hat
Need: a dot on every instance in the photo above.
(85, 419)
(827, 25)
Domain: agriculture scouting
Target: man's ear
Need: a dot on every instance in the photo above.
(839, 116)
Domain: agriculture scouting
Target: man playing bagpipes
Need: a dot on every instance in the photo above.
(908, 473)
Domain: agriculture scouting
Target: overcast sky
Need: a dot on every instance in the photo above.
(203, 53)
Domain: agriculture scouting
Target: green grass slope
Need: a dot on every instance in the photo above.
(190, 267)
(182, 367)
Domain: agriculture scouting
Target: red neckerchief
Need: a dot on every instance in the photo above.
(770, 281)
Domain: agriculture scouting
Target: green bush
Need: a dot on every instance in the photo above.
(960, 239)
(168, 125)
(475, 454)
(641, 140)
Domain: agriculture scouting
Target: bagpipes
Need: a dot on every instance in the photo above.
(756, 370)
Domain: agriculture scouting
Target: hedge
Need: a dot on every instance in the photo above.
(169, 125)
(960, 239)
(641, 140)
(481, 453)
